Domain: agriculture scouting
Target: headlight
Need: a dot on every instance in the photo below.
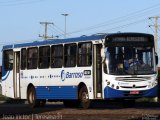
(108, 83)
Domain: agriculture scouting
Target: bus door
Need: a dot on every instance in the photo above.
(16, 74)
(97, 69)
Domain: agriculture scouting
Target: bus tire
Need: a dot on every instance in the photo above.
(33, 102)
(84, 98)
(128, 103)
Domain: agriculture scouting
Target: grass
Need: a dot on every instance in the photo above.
(145, 100)
(3, 98)
(10, 100)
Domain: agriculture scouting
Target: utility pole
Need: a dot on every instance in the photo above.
(45, 36)
(156, 26)
(156, 31)
(65, 15)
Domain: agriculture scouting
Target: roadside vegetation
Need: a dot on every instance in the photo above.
(3, 98)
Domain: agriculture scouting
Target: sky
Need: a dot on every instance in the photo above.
(20, 19)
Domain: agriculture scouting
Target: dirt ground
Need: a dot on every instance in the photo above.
(99, 111)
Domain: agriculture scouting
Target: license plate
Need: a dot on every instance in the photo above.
(134, 92)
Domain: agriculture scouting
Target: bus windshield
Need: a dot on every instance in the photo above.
(129, 60)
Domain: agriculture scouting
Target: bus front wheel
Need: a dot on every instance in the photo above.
(84, 98)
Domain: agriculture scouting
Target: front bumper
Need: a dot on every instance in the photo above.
(110, 93)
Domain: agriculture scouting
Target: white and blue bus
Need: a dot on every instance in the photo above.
(80, 70)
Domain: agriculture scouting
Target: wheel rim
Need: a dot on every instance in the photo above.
(31, 97)
(85, 97)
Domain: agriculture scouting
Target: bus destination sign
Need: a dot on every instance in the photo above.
(129, 39)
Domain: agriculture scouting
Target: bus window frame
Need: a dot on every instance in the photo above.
(64, 55)
(49, 57)
(53, 57)
(80, 43)
(4, 61)
(23, 59)
(32, 58)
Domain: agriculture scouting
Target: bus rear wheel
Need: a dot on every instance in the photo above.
(33, 102)
(84, 98)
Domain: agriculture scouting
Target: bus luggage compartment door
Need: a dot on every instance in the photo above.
(97, 69)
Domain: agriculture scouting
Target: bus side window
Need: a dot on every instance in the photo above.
(32, 58)
(23, 58)
(84, 54)
(70, 51)
(8, 60)
(56, 56)
(44, 57)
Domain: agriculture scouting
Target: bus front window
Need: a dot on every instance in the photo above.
(130, 60)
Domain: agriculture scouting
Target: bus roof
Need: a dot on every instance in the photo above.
(68, 40)
(55, 41)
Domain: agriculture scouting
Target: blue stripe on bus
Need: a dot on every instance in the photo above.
(5, 73)
(8, 47)
(56, 92)
(110, 93)
(5, 76)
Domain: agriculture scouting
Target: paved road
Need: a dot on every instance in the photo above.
(100, 111)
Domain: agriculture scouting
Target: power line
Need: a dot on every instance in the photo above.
(7, 1)
(130, 16)
(56, 32)
(54, 29)
(10, 1)
(121, 19)
(117, 27)
(122, 26)
(19, 2)
(126, 25)
(20, 41)
(59, 29)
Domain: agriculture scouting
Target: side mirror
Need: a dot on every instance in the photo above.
(156, 58)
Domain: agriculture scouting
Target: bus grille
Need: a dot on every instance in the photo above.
(133, 87)
(130, 79)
